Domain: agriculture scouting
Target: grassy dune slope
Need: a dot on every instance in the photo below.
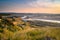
(10, 30)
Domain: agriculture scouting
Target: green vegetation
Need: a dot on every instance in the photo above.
(17, 29)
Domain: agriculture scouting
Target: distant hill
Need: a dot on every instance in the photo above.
(4, 14)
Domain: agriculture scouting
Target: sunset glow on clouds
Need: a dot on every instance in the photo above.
(30, 6)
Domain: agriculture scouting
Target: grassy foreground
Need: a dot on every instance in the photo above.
(32, 34)
(9, 31)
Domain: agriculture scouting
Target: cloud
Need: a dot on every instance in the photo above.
(44, 4)
(31, 6)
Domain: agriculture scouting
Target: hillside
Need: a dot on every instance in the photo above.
(16, 29)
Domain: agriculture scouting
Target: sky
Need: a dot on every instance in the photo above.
(30, 6)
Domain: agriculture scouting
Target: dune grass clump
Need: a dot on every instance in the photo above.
(36, 35)
(55, 33)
